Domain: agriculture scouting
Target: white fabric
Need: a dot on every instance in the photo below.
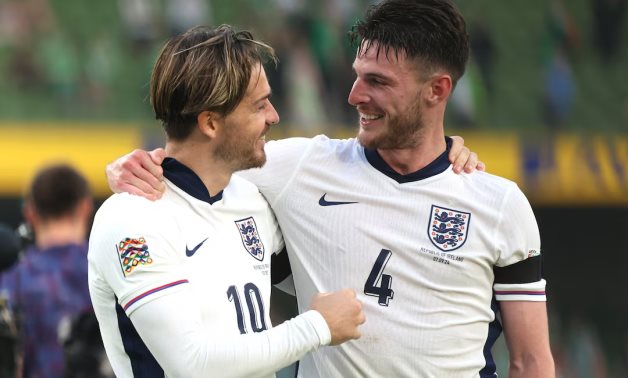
(521, 292)
(435, 321)
(184, 308)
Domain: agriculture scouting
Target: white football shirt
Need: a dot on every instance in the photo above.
(181, 286)
(420, 249)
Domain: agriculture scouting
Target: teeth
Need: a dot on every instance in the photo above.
(369, 116)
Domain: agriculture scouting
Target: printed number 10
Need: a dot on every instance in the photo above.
(254, 303)
(383, 291)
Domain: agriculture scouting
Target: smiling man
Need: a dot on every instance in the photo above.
(181, 286)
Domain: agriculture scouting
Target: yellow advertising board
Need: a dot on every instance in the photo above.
(89, 148)
(566, 169)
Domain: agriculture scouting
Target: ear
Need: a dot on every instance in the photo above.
(85, 208)
(209, 123)
(439, 90)
(29, 213)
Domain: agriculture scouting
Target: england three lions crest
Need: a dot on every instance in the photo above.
(250, 238)
(448, 228)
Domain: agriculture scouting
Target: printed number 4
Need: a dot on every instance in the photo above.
(254, 303)
(383, 292)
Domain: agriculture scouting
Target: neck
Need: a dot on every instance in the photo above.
(215, 175)
(430, 144)
(69, 230)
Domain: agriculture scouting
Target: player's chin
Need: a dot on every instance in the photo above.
(368, 139)
(258, 159)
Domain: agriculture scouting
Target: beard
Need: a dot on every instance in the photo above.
(402, 131)
(241, 152)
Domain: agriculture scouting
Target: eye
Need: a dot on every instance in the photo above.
(376, 81)
(262, 105)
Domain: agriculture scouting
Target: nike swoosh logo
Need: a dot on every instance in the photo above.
(324, 202)
(191, 252)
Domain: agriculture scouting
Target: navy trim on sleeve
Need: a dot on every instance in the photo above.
(526, 271)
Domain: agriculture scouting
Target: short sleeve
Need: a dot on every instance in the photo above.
(518, 270)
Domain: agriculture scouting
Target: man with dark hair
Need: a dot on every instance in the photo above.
(435, 256)
(47, 288)
(181, 286)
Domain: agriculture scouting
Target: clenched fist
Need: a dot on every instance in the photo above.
(342, 312)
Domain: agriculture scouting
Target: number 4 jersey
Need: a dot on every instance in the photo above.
(181, 286)
(428, 253)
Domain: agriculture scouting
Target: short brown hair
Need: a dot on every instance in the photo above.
(430, 31)
(203, 69)
(56, 191)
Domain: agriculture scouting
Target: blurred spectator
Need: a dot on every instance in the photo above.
(463, 101)
(335, 56)
(47, 289)
(9, 252)
(303, 81)
(21, 24)
(559, 90)
(103, 60)
(23, 70)
(181, 15)
(483, 52)
(608, 21)
(140, 20)
(59, 61)
(563, 31)
(10, 247)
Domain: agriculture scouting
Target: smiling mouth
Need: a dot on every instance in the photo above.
(370, 117)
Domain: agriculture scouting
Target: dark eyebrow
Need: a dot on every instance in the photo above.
(373, 75)
(264, 97)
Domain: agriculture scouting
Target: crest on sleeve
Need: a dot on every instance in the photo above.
(448, 228)
(132, 253)
(250, 238)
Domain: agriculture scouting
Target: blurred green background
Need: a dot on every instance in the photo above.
(544, 102)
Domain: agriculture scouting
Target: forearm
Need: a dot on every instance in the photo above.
(539, 365)
(527, 335)
(184, 348)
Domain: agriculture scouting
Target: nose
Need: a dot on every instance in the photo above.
(358, 94)
(273, 116)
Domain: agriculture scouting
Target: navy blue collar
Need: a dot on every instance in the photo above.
(437, 166)
(185, 179)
